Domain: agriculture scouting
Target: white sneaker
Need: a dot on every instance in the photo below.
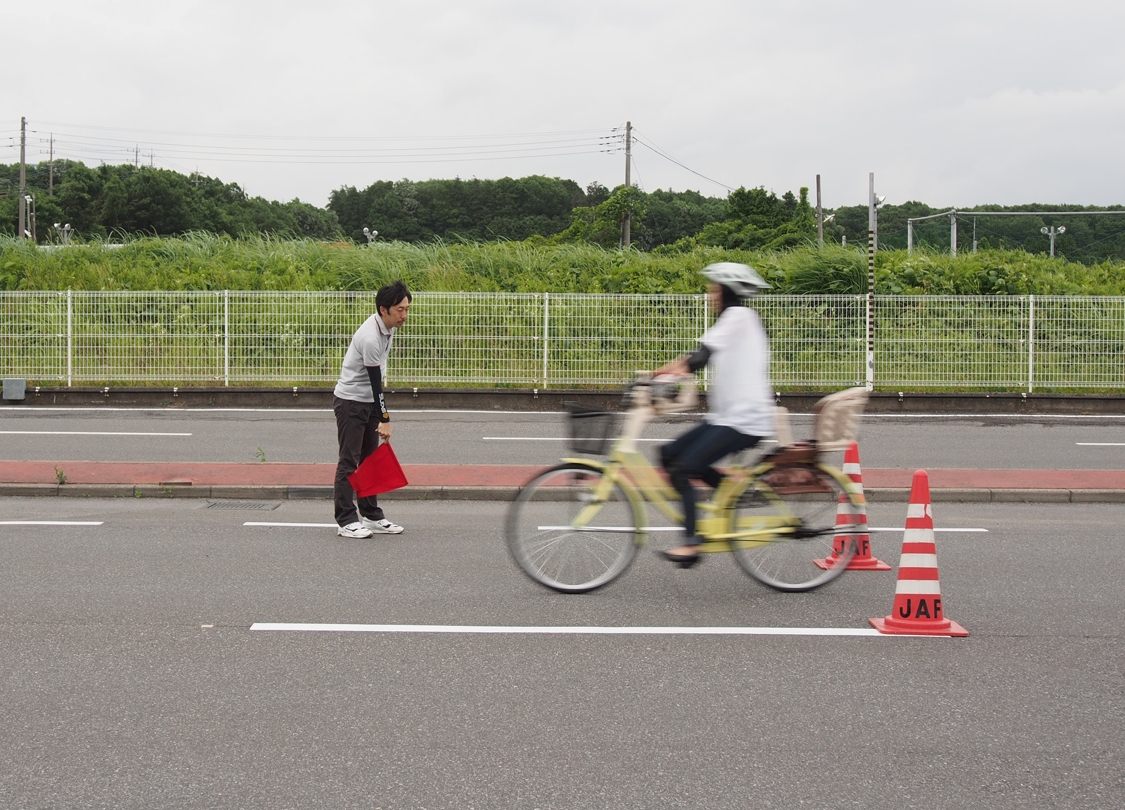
(354, 530)
(383, 526)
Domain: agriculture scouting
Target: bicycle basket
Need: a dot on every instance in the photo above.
(591, 431)
(837, 418)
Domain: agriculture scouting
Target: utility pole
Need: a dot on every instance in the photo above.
(627, 222)
(819, 216)
(22, 234)
(51, 169)
(136, 156)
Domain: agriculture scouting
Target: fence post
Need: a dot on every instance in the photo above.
(69, 339)
(226, 338)
(546, 332)
(1031, 344)
(700, 331)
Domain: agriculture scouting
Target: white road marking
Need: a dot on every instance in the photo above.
(902, 529)
(1100, 444)
(293, 525)
(617, 529)
(545, 439)
(82, 433)
(51, 522)
(565, 439)
(562, 630)
(629, 529)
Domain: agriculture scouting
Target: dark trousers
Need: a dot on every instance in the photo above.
(357, 428)
(691, 456)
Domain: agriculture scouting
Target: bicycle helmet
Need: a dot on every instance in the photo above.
(740, 278)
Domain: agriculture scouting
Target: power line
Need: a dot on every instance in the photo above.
(661, 153)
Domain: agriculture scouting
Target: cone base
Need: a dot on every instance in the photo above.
(894, 627)
(868, 564)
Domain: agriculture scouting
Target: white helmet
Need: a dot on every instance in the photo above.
(741, 278)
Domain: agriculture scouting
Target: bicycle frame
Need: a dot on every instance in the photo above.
(642, 484)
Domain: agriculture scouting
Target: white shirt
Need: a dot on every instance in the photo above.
(740, 395)
(369, 347)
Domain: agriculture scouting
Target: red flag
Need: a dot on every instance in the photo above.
(379, 472)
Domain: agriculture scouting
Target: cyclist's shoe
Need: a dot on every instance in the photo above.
(683, 560)
(381, 526)
(356, 529)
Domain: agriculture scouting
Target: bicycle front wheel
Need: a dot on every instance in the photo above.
(571, 529)
(788, 521)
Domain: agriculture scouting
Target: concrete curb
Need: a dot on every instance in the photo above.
(542, 399)
(508, 493)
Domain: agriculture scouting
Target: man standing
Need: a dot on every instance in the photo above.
(361, 414)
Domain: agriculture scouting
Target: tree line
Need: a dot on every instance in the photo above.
(126, 199)
(100, 202)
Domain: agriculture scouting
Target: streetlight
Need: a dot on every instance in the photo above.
(370, 235)
(64, 232)
(1053, 232)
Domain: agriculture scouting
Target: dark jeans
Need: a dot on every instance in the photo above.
(691, 456)
(357, 426)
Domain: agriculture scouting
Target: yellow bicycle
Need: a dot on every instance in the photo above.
(787, 519)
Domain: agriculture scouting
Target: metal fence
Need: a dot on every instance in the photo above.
(555, 340)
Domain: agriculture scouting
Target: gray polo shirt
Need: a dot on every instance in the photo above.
(369, 347)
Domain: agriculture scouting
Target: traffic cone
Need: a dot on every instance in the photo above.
(917, 608)
(851, 523)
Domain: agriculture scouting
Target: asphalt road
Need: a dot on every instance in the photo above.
(131, 677)
(459, 437)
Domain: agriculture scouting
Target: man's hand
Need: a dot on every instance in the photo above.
(385, 431)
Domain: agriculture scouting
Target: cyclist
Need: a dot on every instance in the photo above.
(741, 398)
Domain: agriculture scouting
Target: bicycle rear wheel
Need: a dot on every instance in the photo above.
(794, 511)
(572, 530)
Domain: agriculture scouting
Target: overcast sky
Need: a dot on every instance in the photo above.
(950, 103)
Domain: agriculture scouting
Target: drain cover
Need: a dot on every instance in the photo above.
(261, 506)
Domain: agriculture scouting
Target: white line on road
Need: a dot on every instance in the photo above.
(293, 525)
(560, 630)
(617, 529)
(545, 439)
(1100, 444)
(51, 522)
(82, 433)
(565, 439)
(899, 529)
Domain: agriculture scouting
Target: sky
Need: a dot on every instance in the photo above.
(949, 103)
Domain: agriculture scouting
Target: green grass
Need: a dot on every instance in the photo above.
(206, 262)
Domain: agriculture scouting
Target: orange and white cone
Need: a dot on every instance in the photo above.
(917, 608)
(851, 523)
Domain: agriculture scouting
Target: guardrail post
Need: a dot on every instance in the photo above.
(546, 332)
(1031, 344)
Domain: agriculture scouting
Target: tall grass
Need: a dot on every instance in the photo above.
(206, 262)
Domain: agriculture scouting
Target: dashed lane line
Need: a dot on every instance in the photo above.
(291, 525)
(470, 629)
(82, 433)
(51, 522)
